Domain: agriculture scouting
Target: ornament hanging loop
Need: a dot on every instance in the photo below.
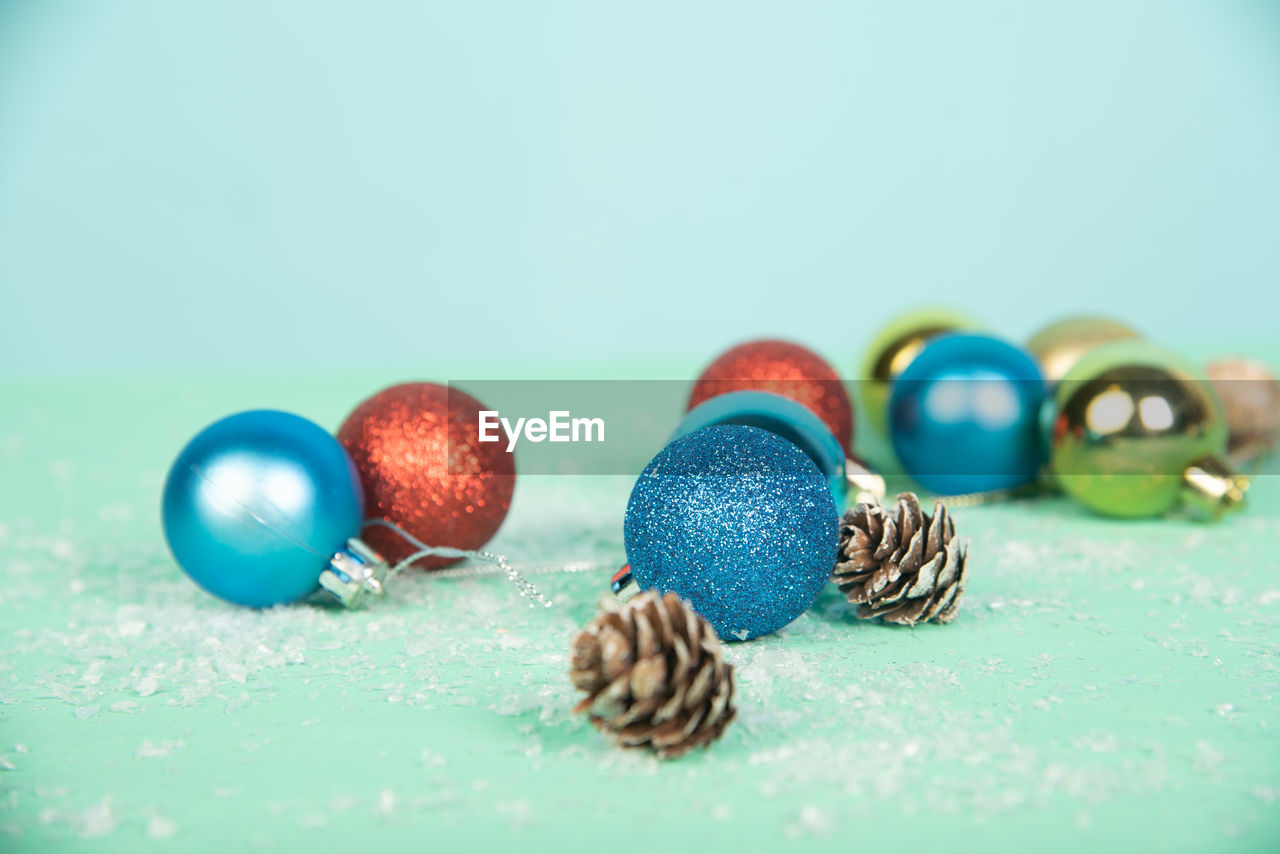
(523, 585)
(994, 496)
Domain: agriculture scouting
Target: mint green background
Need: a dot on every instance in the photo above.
(210, 207)
(242, 183)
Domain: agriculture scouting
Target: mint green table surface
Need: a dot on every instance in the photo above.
(1108, 686)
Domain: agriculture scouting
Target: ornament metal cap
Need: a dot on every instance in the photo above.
(355, 573)
(1210, 488)
(865, 485)
(623, 585)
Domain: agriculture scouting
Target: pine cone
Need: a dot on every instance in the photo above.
(654, 674)
(901, 565)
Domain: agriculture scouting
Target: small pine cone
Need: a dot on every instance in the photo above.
(900, 564)
(654, 675)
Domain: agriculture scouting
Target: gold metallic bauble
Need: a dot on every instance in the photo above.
(1250, 395)
(1133, 432)
(900, 341)
(1058, 346)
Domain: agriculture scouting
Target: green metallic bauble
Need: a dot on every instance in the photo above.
(1058, 346)
(1133, 432)
(900, 341)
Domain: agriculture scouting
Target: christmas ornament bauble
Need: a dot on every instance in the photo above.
(782, 368)
(1058, 346)
(900, 341)
(963, 416)
(1133, 432)
(781, 416)
(423, 467)
(260, 506)
(736, 521)
(1250, 396)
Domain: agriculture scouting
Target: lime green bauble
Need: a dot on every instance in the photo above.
(1058, 346)
(1133, 432)
(900, 341)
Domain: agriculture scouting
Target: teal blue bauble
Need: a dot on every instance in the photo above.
(257, 504)
(781, 416)
(964, 416)
(738, 522)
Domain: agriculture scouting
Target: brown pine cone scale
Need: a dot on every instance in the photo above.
(901, 564)
(654, 675)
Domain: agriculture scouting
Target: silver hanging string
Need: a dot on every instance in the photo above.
(547, 569)
(499, 562)
(974, 499)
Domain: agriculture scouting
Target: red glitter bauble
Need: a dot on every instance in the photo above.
(786, 369)
(423, 467)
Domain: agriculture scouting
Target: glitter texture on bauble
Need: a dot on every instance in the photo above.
(423, 467)
(739, 523)
(782, 368)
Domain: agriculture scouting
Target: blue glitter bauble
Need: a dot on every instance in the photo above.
(257, 503)
(964, 415)
(738, 522)
(777, 414)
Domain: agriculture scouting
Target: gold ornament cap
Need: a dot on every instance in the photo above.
(1210, 488)
(865, 485)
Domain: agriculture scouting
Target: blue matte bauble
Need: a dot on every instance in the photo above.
(964, 416)
(257, 503)
(783, 416)
(737, 521)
